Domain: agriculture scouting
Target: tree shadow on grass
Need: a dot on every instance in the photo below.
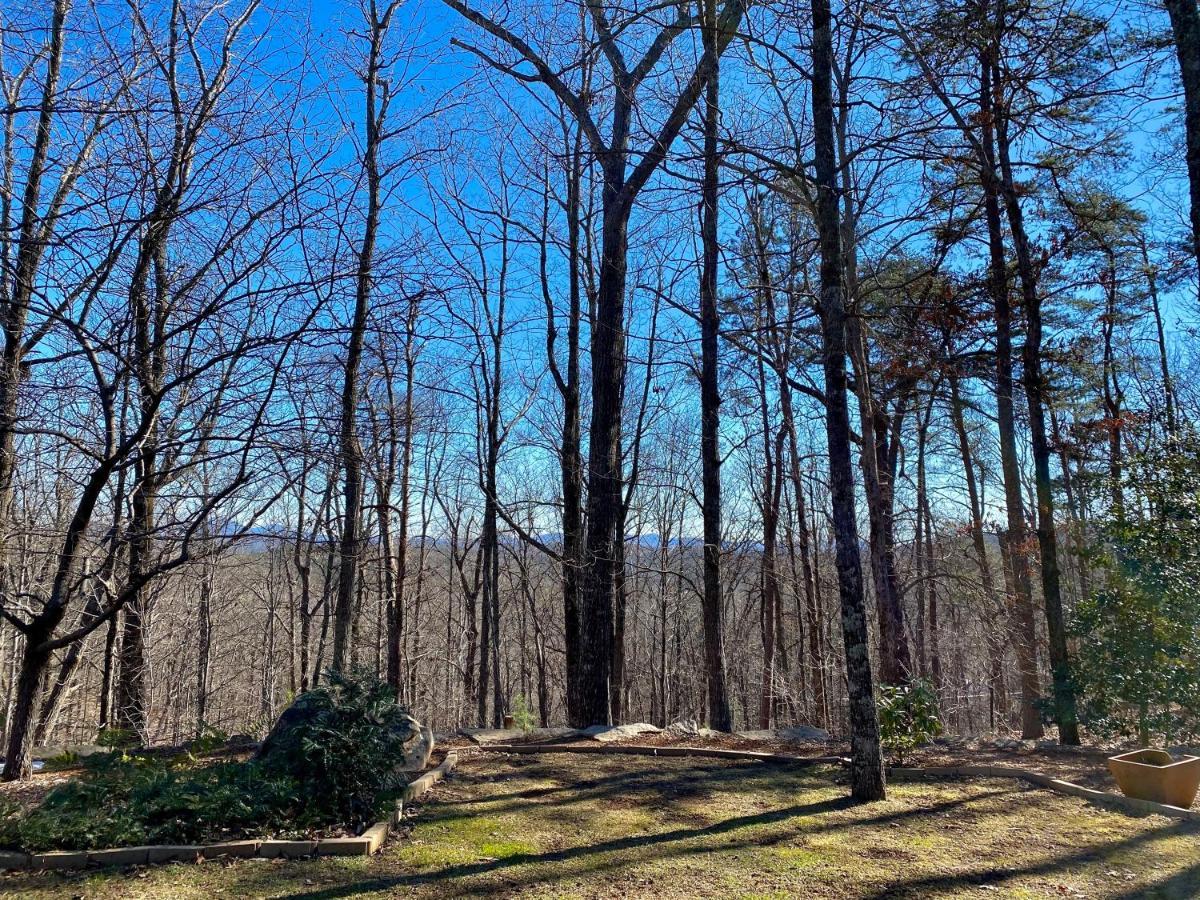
(694, 781)
(945, 882)
(1182, 885)
(663, 844)
(602, 859)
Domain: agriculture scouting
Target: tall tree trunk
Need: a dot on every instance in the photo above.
(18, 757)
(1024, 632)
(866, 767)
(203, 651)
(1113, 396)
(31, 246)
(104, 722)
(814, 658)
(148, 303)
(598, 594)
(349, 448)
(996, 640)
(1185, 24)
(395, 622)
(570, 456)
(1151, 274)
(1035, 392)
(719, 715)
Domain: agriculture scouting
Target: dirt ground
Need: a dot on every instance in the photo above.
(1086, 766)
(575, 826)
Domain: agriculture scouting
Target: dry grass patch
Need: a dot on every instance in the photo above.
(588, 827)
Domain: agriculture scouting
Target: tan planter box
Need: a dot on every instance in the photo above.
(1154, 775)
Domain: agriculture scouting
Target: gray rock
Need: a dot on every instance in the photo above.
(553, 734)
(690, 728)
(758, 735)
(483, 736)
(417, 752)
(804, 733)
(794, 734)
(1005, 743)
(607, 733)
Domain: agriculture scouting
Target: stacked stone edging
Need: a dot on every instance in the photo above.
(365, 844)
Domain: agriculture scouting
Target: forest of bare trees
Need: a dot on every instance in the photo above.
(637, 360)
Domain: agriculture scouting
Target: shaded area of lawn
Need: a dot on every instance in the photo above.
(579, 826)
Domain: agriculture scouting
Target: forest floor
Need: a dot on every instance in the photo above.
(618, 826)
(1087, 766)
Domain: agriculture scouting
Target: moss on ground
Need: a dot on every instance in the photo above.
(581, 827)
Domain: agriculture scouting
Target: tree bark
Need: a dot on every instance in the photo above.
(1185, 25)
(1024, 633)
(1035, 391)
(866, 767)
(350, 449)
(719, 715)
(995, 638)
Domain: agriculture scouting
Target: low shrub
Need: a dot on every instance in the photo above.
(336, 768)
(342, 744)
(123, 800)
(117, 738)
(908, 716)
(209, 740)
(523, 716)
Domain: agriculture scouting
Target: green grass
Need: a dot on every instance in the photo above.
(581, 827)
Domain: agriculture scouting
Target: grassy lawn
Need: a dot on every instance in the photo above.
(589, 826)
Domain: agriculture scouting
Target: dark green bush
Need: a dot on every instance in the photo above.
(342, 744)
(123, 800)
(334, 766)
(908, 716)
(1137, 669)
(117, 738)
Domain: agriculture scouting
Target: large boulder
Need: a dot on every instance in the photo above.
(485, 736)
(802, 733)
(418, 750)
(609, 733)
(690, 728)
(797, 734)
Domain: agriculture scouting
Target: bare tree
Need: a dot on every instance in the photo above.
(622, 185)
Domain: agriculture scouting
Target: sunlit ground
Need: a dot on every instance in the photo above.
(585, 826)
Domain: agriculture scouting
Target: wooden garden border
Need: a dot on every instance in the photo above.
(364, 844)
